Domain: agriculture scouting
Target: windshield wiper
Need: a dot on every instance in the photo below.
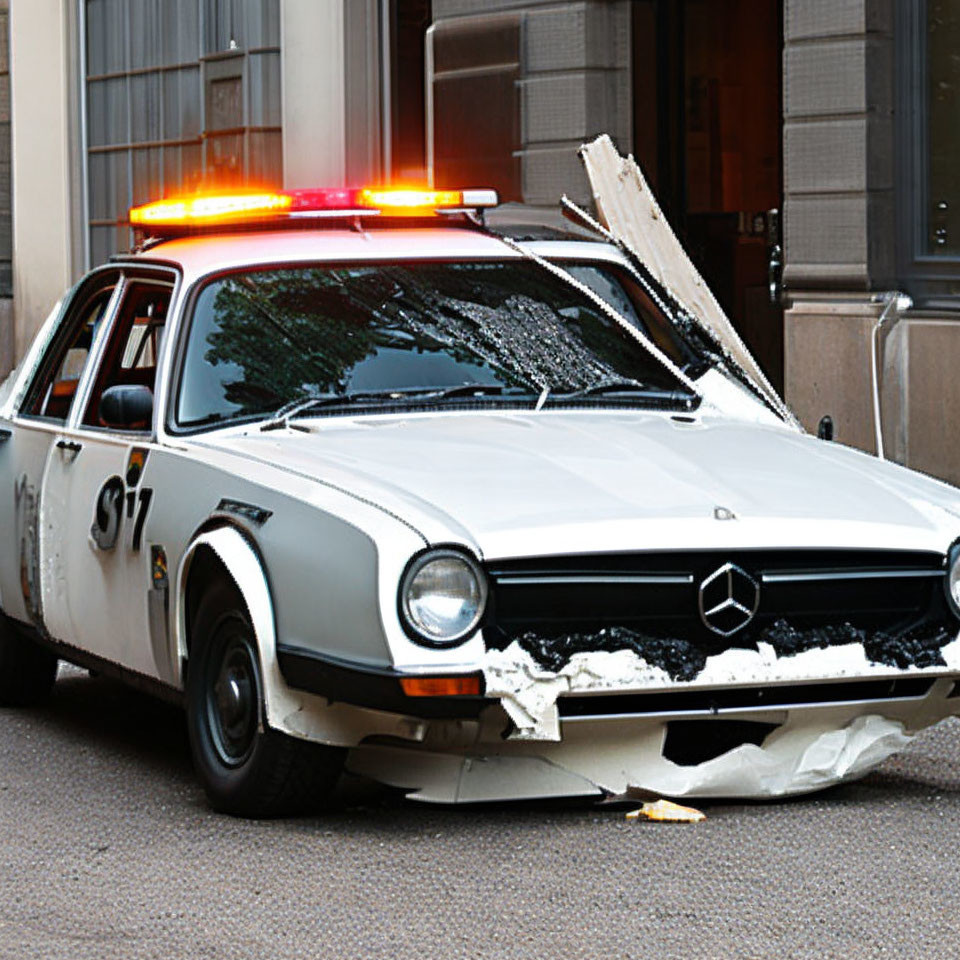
(476, 390)
(632, 388)
(400, 395)
(288, 411)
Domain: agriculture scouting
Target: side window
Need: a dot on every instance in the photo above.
(52, 392)
(131, 353)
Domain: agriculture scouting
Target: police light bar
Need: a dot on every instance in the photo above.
(215, 209)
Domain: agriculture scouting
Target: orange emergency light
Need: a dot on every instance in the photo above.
(215, 209)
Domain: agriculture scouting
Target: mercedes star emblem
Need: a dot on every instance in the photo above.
(728, 599)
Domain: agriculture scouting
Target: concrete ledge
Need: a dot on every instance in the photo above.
(830, 77)
(827, 372)
(552, 172)
(932, 396)
(810, 19)
(579, 105)
(827, 229)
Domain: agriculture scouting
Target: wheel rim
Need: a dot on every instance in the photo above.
(232, 701)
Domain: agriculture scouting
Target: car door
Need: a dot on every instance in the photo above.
(30, 432)
(95, 572)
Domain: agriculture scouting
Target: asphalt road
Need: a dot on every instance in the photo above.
(108, 850)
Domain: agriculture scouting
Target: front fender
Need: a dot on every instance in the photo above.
(241, 560)
(293, 712)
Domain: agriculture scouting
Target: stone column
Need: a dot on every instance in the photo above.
(839, 227)
(44, 160)
(331, 92)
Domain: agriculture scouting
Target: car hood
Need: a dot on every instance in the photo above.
(526, 484)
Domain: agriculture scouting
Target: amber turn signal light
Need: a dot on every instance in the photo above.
(463, 686)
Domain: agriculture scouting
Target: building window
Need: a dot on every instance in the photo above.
(927, 149)
(476, 61)
(409, 19)
(179, 94)
(942, 27)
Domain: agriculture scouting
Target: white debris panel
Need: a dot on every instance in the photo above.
(529, 693)
(629, 210)
(811, 749)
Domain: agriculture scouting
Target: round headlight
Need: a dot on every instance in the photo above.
(442, 597)
(953, 578)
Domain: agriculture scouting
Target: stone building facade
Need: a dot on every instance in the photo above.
(806, 144)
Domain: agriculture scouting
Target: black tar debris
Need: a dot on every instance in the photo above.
(919, 646)
(679, 658)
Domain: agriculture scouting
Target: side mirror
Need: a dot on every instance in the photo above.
(127, 407)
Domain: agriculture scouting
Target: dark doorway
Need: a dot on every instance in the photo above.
(409, 20)
(707, 132)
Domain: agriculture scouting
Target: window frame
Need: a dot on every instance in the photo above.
(88, 290)
(932, 280)
(122, 273)
(131, 279)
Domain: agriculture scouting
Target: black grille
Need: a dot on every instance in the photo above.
(656, 594)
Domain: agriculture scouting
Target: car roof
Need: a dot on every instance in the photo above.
(203, 254)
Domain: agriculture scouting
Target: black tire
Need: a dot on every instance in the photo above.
(247, 769)
(27, 670)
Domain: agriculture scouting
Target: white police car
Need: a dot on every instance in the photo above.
(480, 513)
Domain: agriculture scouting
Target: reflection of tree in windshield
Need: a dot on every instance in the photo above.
(290, 331)
(282, 334)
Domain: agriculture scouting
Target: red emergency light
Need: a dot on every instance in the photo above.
(216, 209)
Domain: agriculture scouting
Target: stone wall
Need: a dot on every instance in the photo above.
(575, 84)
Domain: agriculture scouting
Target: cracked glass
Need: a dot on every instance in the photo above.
(492, 332)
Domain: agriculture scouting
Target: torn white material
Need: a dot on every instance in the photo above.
(820, 759)
(529, 693)
(447, 778)
(807, 752)
(629, 210)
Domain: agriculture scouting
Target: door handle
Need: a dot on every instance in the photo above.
(5, 435)
(71, 446)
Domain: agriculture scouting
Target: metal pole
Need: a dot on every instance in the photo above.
(893, 301)
(84, 157)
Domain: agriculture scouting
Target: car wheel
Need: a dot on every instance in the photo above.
(27, 670)
(246, 768)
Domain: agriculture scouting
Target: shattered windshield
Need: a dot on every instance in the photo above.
(377, 335)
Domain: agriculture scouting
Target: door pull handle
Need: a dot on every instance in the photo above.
(5, 435)
(71, 446)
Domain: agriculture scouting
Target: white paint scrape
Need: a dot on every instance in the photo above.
(529, 693)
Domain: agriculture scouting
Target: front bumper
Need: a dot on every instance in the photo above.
(797, 724)
(365, 685)
(799, 750)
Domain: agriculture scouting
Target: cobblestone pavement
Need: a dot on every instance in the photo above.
(108, 850)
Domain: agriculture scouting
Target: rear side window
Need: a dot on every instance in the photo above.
(52, 393)
(131, 353)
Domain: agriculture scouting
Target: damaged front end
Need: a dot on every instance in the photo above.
(708, 620)
(752, 674)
